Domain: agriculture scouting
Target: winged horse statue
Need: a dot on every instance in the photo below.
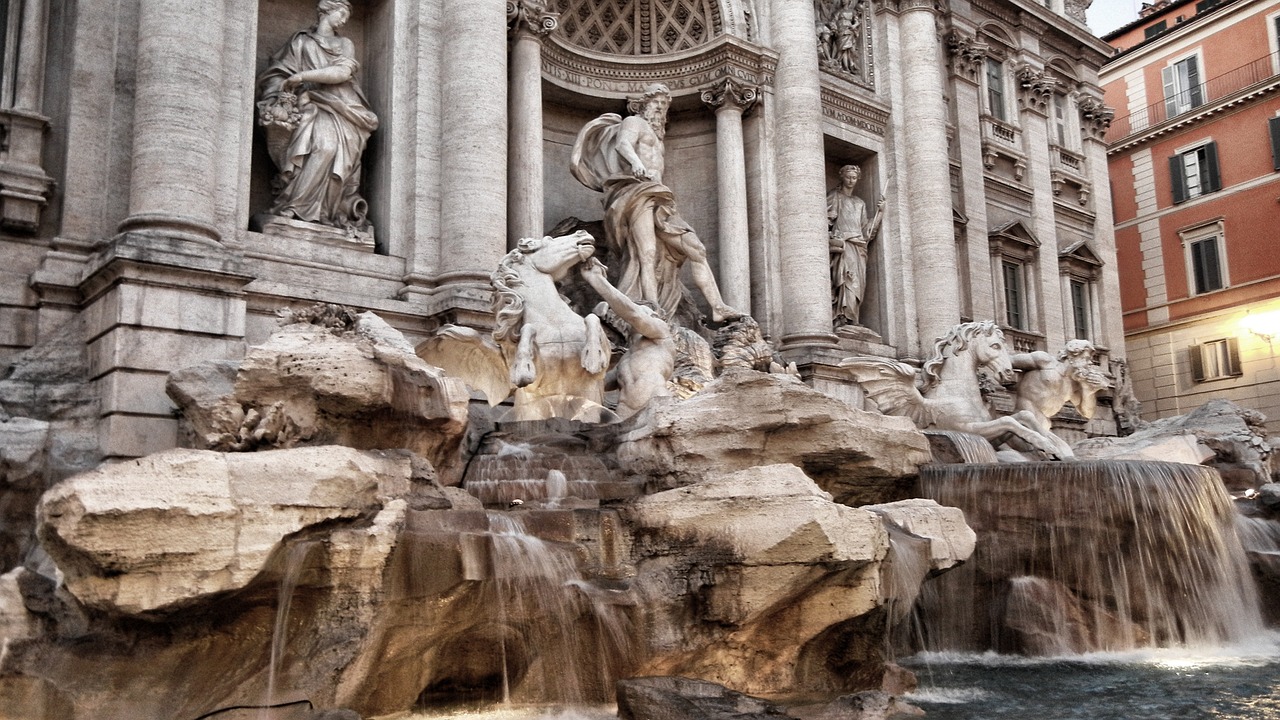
(553, 358)
(947, 394)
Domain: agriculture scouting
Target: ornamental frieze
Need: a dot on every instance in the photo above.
(685, 73)
(853, 112)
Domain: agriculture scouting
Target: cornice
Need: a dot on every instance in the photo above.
(848, 110)
(685, 73)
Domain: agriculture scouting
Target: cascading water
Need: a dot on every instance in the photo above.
(550, 636)
(294, 560)
(1086, 556)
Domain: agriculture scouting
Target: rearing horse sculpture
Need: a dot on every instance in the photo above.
(554, 358)
(949, 396)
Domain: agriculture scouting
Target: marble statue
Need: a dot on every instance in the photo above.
(949, 396)
(317, 122)
(1049, 382)
(624, 159)
(644, 371)
(850, 232)
(839, 32)
(554, 359)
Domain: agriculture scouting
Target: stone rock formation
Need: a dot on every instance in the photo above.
(745, 419)
(1219, 434)
(168, 529)
(358, 384)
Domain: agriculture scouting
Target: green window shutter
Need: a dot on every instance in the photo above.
(1195, 91)
(1177, 179)
(1274, 126)
(1212, 179)
(1197, 363)
(1170, 92)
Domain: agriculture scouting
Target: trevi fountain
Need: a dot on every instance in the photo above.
(647, 359)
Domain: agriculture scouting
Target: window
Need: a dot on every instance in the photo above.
(1194, 172)
(1206, 5)
(1206, 257)
(1182, 88)
(1060, 118)
(995, 89)
(1206, 270)
(1080, 309)
(1014, 295)
(1215, 360)
(1154, 29)
(1274, 126)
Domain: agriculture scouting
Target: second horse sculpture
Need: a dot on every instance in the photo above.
(948, 395)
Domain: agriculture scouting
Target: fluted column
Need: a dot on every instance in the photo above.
(731, 101)
(473, 152)
(530, 21)
(801, 196)
(176, 119)
(928, 186)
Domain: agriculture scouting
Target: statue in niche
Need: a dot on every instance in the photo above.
(624, 159)
(1049, 382)
(317, 122)
(850, 234)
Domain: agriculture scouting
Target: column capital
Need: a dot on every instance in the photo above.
(728, 92)
(904, 6)
(966, 55)
(534, 17)
(1035, 87)
(1095, 117)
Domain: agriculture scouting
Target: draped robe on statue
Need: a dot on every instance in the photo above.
(848, 215)
(319, 160)
(597, 164)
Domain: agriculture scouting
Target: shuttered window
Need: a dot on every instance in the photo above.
(1206, 265)
(1215, 360)
(1274, 125)
(1182, 88)
(1195, 172)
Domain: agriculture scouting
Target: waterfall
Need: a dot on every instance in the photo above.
(294, 560)
(1086, 556)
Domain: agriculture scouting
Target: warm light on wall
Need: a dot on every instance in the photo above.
(1265, 325)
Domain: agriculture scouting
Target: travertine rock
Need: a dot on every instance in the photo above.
(679, 698)
(951, 540)
(746, 573)
(310, 385)
(745, 419)
(1226, 436)
(164, 530)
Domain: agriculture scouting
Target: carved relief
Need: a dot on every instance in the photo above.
(533, 16)
(966, 55)
(639, 27)
(844, 39)
(684, 74)
(1095, 117)
(1075, 9)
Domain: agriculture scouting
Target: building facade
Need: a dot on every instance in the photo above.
(1194, 153)
(137, 171)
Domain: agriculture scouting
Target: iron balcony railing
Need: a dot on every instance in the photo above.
(1212, 90)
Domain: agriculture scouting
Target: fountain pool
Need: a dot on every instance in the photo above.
(1233, 683)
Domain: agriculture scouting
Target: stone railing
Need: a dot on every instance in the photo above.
(1067, 160)
(999, 130)
(1023, 341)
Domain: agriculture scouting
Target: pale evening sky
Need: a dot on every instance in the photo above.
(1107, 15)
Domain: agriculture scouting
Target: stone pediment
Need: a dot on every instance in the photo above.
(1014, 232)
(1080, 251)
(686, 73)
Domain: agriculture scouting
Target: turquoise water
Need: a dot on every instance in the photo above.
(1235, 684)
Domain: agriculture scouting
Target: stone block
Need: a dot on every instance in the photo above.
(166, 307)
(132, 348)
(136, 435)
(18, 327)
(134, 392)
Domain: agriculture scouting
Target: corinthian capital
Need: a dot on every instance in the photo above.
(731, 92)
(534, 16)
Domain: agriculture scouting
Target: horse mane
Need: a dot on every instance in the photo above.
(508, 304)
(956, 340)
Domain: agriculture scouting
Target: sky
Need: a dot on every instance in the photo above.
(1107, 15)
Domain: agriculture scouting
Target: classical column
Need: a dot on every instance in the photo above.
(1035, 97)
(530, 21)
(473, 148)
(176, 119)
(732, 100)
(928, 186)
(801, 182)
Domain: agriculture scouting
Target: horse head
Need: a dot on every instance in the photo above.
(556, 256)
(982, 341)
